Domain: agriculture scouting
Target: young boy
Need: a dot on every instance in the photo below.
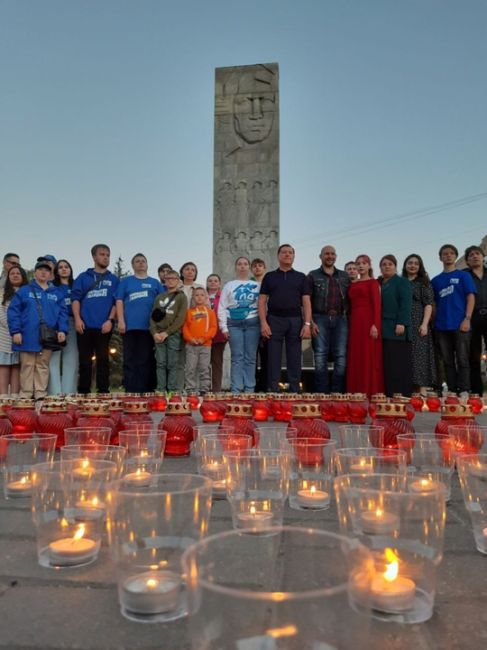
(167, 319)
(199, 329)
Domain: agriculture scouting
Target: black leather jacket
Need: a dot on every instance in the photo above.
(318, 282)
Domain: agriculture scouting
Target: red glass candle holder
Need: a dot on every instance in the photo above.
(240, 417)
(393, 418)
(358, 408)
(308, 423)
(54, 418)
(212, 408)
(178, 425)
(23, 416)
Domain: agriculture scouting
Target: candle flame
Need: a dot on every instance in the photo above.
(85, 463)
(392, 566)
(285, 630)
(312, 489)
(151, 583)
(425, 482)
(252, 510)
(23, 480)
(64, 523)
(378, 513)
(94, 501)
(80, 532)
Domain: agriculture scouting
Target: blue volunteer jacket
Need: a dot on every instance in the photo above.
(96, 294)
(23, 314)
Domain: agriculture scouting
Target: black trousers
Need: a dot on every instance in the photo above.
(139, 363)
(284, 330)
(93, 343)
(398, 370)
(479, 332)
(455, 353)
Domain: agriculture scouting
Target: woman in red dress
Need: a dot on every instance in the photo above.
(364, 359)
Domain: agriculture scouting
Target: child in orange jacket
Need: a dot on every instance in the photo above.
(199, 329)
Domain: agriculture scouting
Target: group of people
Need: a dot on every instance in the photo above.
(392, 334)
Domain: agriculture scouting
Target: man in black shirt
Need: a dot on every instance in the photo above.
(474, 257)
(285, 316)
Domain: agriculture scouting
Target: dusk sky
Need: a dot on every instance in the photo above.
(106, 124)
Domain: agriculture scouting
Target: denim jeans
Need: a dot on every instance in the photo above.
(455, 351)
(330, 344)
(244, 339)
(67, 381)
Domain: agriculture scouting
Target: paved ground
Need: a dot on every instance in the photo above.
(45, 610)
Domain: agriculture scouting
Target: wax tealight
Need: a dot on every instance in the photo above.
(20, 488)
(254, 518)
(378, 522)
(153, 592)
(313, 498)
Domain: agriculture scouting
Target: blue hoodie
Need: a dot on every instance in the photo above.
(96, 294)
(23, 314)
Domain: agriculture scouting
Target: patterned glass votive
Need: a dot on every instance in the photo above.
(149, 529)
(289, 589)
(68, 506)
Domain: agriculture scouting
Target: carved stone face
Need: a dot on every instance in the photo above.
(253, 115)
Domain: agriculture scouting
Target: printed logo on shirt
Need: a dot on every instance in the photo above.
(447, 291)
(138, 294)
(454, 280)
(97, 293)
(146, 285)
(52, 296)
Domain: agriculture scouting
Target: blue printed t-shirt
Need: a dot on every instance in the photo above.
(138, 297)
(451, 290)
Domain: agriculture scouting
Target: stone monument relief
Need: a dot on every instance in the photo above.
(246, 166)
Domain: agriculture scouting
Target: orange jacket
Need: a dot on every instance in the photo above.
(200, 324)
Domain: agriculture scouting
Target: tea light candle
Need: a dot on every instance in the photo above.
(313, 498)
(70, 551)
(212, 468)
(390, 591)
(254, 518)
(424, 486)
(392, 596)
(219, 488)
(89, 509)
(140, 478)
(20, 488)
(363, 467)
(152, 592)
(84, 471)
(378, 522)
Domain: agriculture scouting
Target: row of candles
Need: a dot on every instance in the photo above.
(377, 499)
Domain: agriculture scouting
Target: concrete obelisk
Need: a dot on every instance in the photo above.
(246, 166)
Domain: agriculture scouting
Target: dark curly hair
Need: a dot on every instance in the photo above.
(9, 290)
